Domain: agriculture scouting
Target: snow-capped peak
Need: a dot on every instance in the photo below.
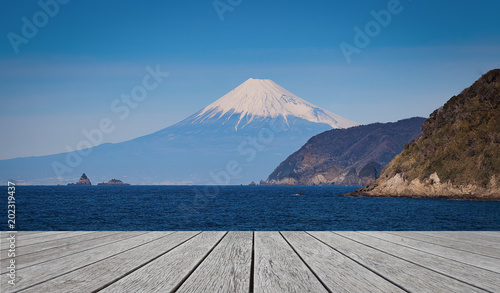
(264, 98)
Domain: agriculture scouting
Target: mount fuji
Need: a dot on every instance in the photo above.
(238, 138)
(263, 98)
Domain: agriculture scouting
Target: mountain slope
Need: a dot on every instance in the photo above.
(458, 155)
(353, 156)
(257, 98)
(238, 138)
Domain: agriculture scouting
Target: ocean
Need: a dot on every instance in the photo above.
(104, 208)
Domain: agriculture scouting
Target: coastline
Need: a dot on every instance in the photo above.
(426, 196)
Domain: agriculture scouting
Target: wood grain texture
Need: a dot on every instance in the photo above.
(226, 269)
(28, 239)
(32, 258)
(469, 258)
(468, 274)
(110, 270)
(474, 237)
(42, 272)
(411, 277)
(39, 247)
(168, 271)
(279, 269)
(338, 273)
(255, 262)
(431, 237)
(493, 233)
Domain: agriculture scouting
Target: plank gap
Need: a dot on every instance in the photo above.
(62, 256)
(427, 268)
(89, 264)
(55, 247)
(198, 264)
(307, 265)
(430, 253)
(142, 265)
(361, 264)
(456, 240)
(440, 244)
(252, 263)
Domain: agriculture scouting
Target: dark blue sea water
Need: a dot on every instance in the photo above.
(239, 208)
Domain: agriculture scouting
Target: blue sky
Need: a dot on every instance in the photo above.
(64, 79)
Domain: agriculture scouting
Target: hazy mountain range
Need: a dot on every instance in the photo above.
(240, 137)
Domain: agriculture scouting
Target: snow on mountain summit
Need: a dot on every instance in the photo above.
(264, 98)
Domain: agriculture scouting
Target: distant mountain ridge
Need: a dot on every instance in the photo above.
(458, 154)
(234, 140)
(353, 156)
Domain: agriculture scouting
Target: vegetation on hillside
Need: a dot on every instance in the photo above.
(352, 156)
(460, 141)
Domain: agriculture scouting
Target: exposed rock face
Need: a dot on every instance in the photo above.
(84, 180)
(353, 156)
(458, 154)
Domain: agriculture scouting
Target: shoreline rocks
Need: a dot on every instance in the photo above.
(84, 180)
(458, 154)
(431, 187)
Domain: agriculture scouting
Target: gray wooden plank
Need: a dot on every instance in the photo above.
(338, 273)
(459, 237)
(473, 259)
(102, 273)
(28, 235)
(23, 240)
(71, 272)
(33, 275)
(472, 275)
(38, 247)
(26, 260)
(168, 271)
(42, 238)
(25, 233)
(476, 237)
(431, 237)
(494, 234)
(278, 268)
(20, 234)
(226, 269)
(411, 277)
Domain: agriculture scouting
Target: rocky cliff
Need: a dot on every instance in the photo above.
(458, 154)
(353, 156)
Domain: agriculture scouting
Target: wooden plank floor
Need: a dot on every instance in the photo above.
(253, 262)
